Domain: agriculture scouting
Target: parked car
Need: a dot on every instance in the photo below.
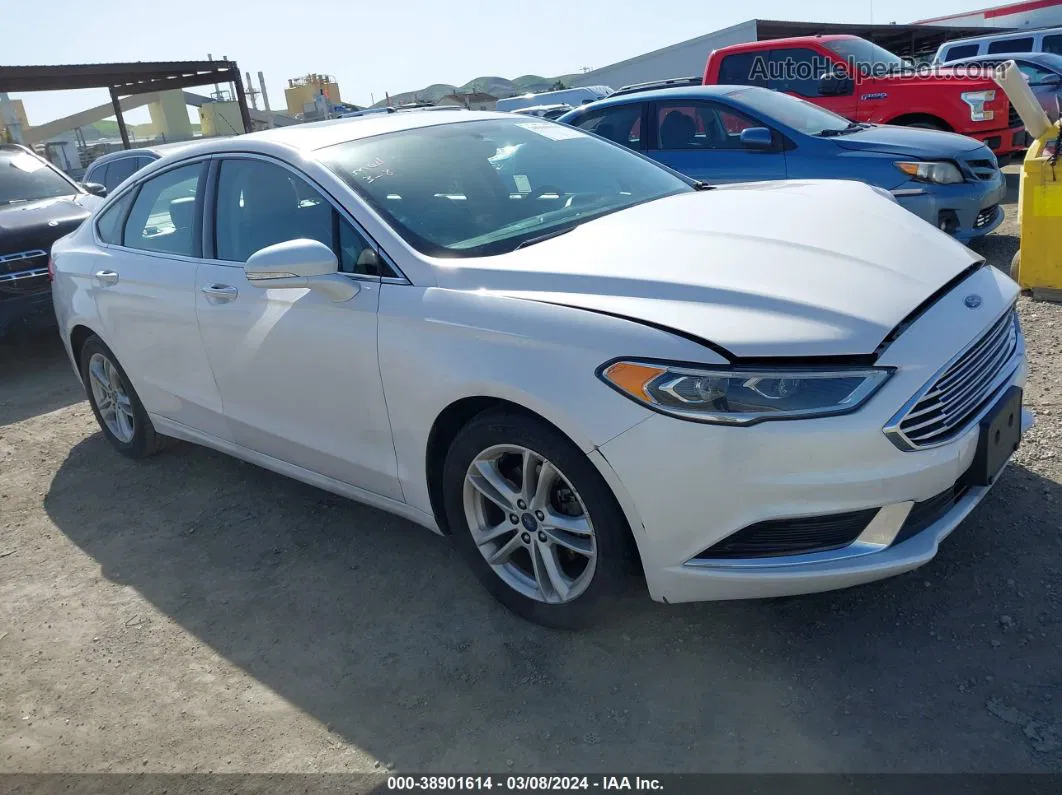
(754, 390)
(883, 89)
(1014, 41)
(38, 205)
(1042, 70)
(112, 169)
(545, 111)
(566, 96)
(725, 134)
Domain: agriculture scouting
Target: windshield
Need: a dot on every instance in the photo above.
(864, 56)
(790, 111)
(480, 188)
(25, 178)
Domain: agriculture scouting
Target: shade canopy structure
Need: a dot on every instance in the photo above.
(127, 79)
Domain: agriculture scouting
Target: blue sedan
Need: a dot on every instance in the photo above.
(743, 134)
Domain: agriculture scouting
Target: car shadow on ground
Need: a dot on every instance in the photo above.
(374, 627)
(37, 377)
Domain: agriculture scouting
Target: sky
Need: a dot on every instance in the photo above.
(403, 45)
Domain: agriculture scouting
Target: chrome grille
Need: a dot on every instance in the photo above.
(959, 392)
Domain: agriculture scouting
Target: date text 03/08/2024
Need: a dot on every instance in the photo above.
(522, 783)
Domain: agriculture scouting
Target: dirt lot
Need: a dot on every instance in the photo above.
(193, 613)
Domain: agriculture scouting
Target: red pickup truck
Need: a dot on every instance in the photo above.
(864, 82)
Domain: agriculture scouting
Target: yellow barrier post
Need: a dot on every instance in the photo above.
(1038, 264)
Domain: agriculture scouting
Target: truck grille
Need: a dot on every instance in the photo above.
(951, 402)
(1014, 118)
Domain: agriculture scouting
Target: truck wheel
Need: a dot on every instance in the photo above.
(924, 125)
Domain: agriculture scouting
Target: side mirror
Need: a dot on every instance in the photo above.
(834, 85)
(759, 138)
(300, 263)
(95, 188)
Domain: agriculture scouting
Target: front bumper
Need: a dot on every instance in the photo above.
(1002, 142)
(970, 209)
(687, 486)
(34, 308)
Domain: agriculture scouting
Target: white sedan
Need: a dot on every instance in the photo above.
(573, 361)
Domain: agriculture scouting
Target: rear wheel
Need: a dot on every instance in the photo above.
(535, 520)
(115, 403)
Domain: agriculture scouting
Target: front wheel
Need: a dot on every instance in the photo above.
(535, 520)
(117, 407)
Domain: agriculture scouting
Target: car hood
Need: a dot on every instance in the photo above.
(23, 223)
(908, 142)
(798, 268)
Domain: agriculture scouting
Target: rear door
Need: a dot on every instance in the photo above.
(144, 281)
(621, 124)
(703, 140)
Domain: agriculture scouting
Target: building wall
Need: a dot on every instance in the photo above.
(220, 118)
(1029, 14)
(685, 59)
(169, 116)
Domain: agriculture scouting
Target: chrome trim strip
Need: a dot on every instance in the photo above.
(14, 277)
(21, 255)
(1006, 373)
(908, 192)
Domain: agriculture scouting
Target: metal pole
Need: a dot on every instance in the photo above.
(121, 119)
(245, 114)
(10, 118)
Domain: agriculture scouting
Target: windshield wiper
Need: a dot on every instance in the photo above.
(851, 128)
(555, 233)
(700, 184)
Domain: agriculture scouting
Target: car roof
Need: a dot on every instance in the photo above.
(1043, 58)
(321, 134)
(1002, 34)
(681, 92)
(157, 149)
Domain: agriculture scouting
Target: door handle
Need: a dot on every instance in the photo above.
(220, 292)
(106, 278)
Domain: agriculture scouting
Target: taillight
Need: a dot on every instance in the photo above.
(51, 268)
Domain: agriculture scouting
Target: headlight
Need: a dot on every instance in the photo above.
(977, 101)
(940, 173)
(742, 397)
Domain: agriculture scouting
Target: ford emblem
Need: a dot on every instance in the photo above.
(972, 301)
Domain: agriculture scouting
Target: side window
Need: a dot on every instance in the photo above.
(797, 70)
(1053, 43)
(960, 51)
(621, 124)
(98, 174)
(351, 248)
(744, 69)
(163, 217)
(143, 161)
(1036, 75)
(109, 225)
(697, 125)
(1012, 45)
(260, 204)
(118, 171)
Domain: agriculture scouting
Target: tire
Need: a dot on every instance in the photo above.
(592, 583)
(1015, 266)
(142, 441)
(925, 125)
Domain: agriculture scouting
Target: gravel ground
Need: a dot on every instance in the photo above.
(193, 613)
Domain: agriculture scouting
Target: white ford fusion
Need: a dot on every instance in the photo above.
(559, 353)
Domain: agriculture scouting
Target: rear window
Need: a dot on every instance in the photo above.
(737, 70)
(1024, 44)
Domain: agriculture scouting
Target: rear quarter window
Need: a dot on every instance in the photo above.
(1024, 44)
(960, 51)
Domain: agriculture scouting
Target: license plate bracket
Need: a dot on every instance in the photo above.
(1000, 435)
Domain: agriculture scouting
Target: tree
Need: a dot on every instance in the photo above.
(558, 85)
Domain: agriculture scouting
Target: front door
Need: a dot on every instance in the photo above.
(703, 140)
(144, 282)
(298, 373)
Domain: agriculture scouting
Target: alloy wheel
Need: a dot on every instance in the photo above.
(112, 398)
(530, 524)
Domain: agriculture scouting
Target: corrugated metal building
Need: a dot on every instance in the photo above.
(1029, 14)
(687, 58)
